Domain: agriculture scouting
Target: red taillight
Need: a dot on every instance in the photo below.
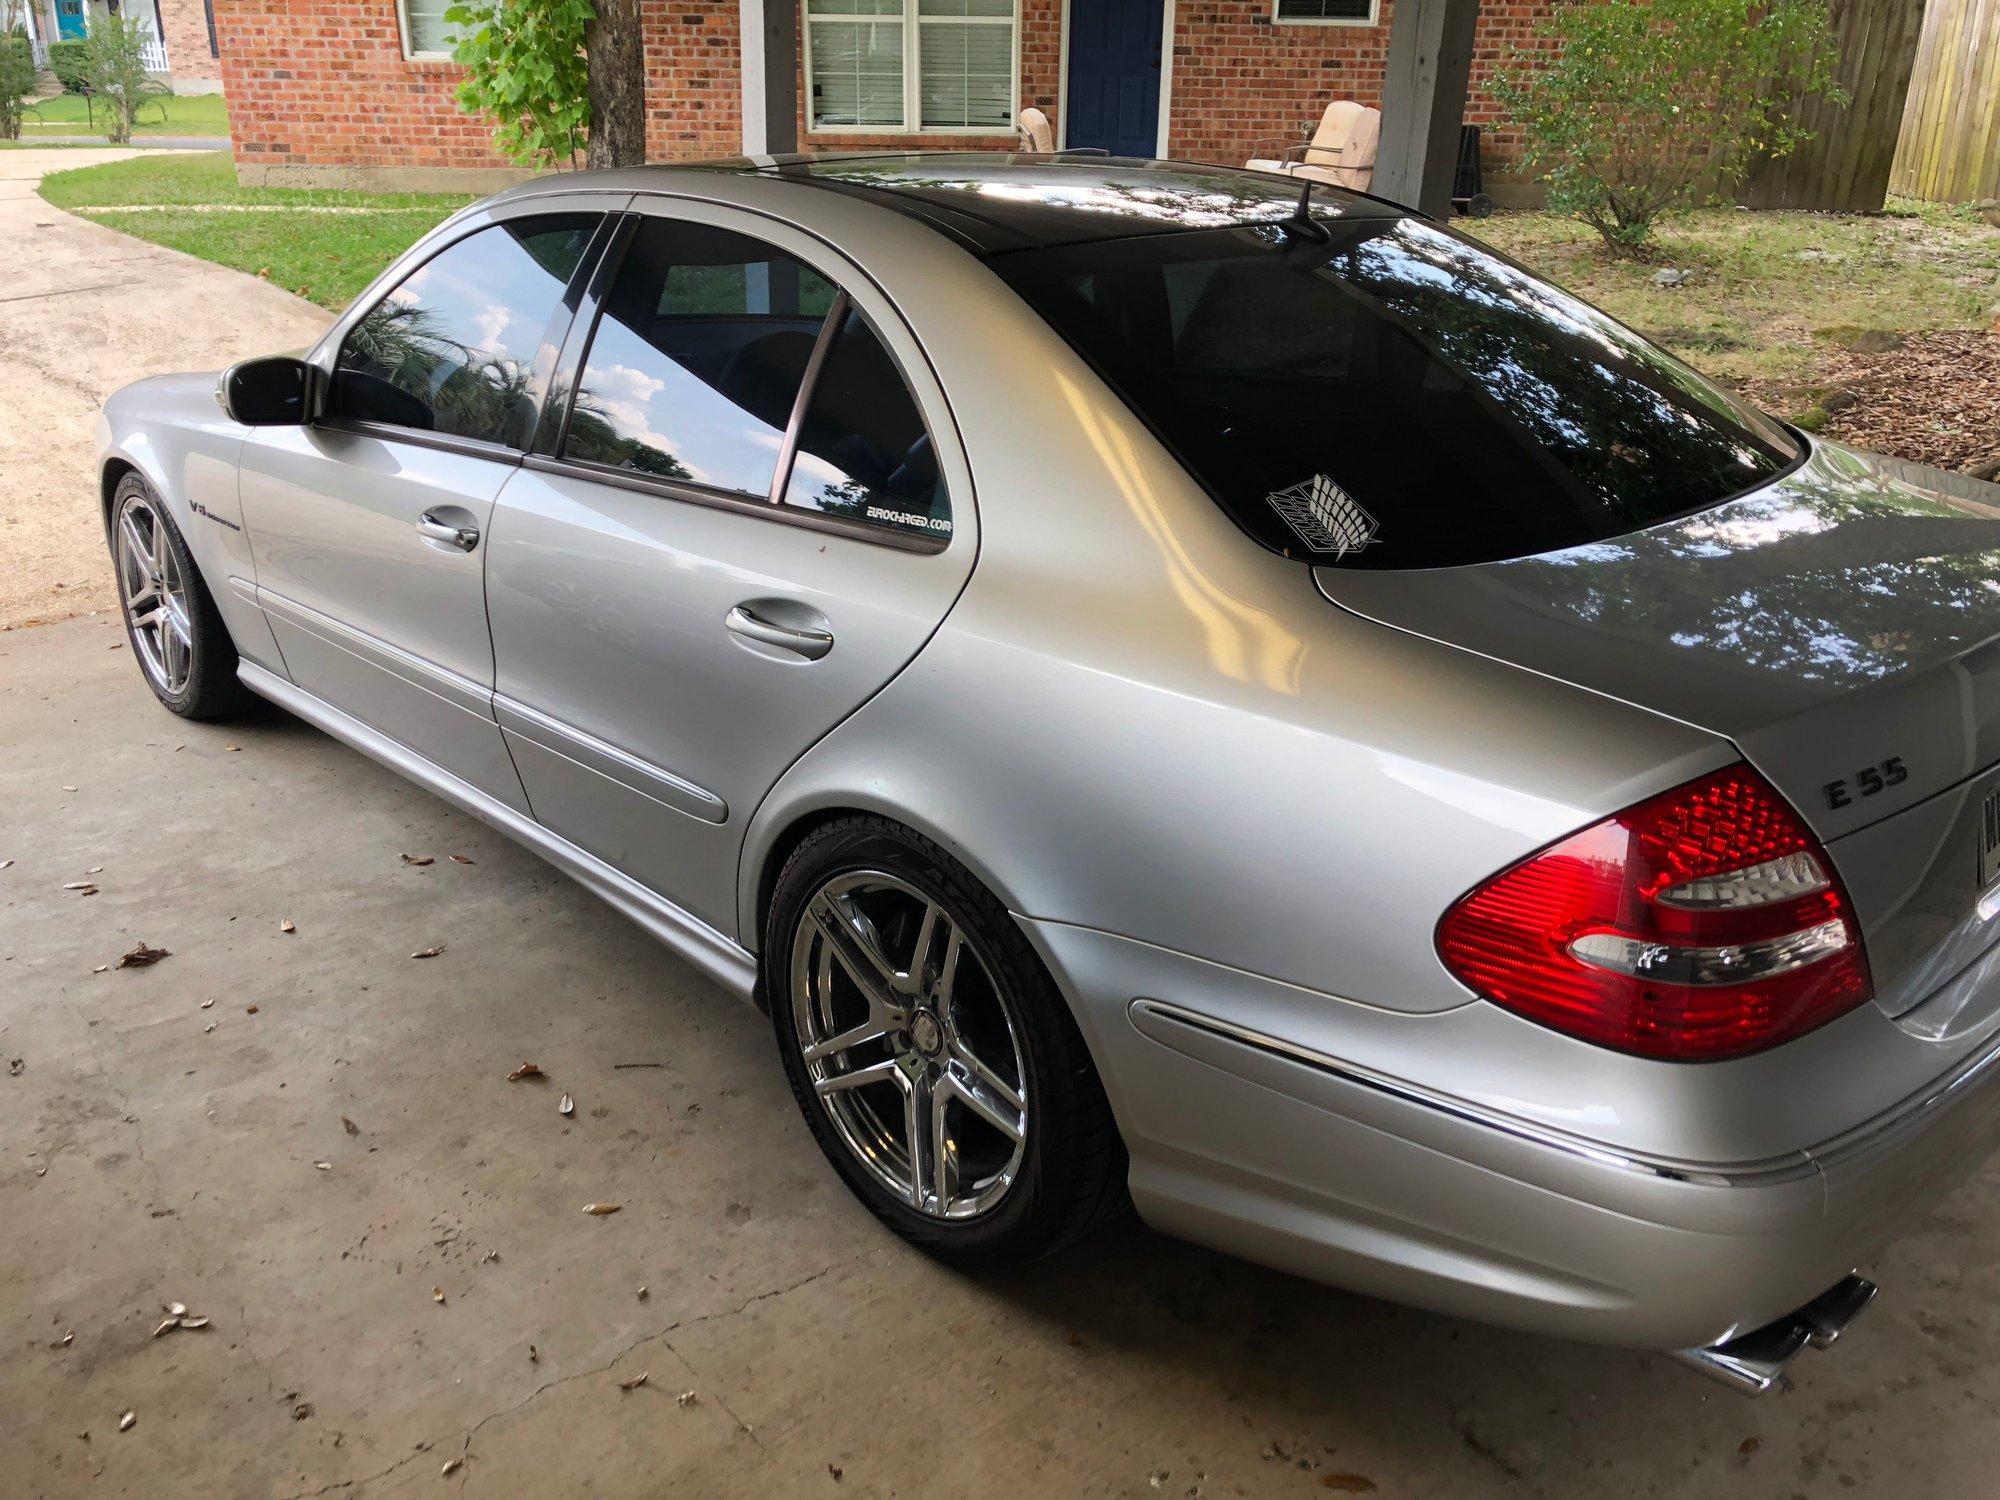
(1704, 923)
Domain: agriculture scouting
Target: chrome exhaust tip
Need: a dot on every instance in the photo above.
(1753, 1362)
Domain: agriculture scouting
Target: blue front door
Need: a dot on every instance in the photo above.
(69, 20)
(1114, 76)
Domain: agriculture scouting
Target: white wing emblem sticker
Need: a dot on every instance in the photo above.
(1325, 516)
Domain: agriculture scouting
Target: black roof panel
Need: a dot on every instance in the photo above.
(995, 202)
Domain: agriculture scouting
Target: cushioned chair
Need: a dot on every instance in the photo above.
(1038, 137)
(1341, 151)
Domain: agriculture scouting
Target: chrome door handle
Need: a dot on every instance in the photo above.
(465, 538)
(811, 644)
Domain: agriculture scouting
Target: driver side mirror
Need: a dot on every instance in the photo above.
(271, 392)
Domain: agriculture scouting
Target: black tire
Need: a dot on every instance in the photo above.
(1071, 1161)
(205, 685)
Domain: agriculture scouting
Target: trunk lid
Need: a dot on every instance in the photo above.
(1841, 626)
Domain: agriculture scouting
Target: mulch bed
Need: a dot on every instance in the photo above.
(1935, 400)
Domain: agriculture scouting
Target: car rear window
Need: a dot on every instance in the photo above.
(1396, 396)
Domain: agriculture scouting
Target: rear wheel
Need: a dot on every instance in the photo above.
(933, 1058)
(176, 632)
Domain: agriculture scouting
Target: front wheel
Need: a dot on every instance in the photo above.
(176, 632)
(935, 1062)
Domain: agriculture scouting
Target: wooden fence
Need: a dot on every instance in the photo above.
(1950, 148)
(1845, 167)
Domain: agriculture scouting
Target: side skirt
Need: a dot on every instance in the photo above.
(716, 955)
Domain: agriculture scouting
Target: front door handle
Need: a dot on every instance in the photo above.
(811, 644)
(465, 538)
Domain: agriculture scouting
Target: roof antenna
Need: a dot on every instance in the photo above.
(1302, 225)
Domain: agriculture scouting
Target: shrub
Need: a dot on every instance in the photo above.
(67, 60)
(1634, 108)
(115, 69)
(524, 66)
(17, 83)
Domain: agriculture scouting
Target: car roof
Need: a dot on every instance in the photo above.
(997, 202)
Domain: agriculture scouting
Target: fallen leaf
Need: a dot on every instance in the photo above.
(41, 1171)
(64, 1342)
(303, 1410)
(15, 1065)
(288, 925)
(175, 1309)
(69, 788)
(635, 1382)
(141, 956)
(418, 859)
(208, 1028)
(1353, 1484)
(437, 1294)
(194, 1322)
(686, 1398)
(249, 1010)
(169, 1325)
(6, 862)
(490, 1255)
(835, 1471)
(457, 859)
(324, 1166)
(567, 1107)
(228, 746)
(125, 1422)
(526, 1070)
(81, 885)
(101, 969)
(95, 870)
(644, 1294)
(452, 1466)
(1748, 1446)
(601, 1209)
(428, 952)
(534, 1355)
(349, 1126)
(208, 1002)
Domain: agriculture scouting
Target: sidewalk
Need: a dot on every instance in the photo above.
(83, 310)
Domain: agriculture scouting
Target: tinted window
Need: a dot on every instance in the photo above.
(451, 348)
(698, 359)
(863, 451)
(1399, 397)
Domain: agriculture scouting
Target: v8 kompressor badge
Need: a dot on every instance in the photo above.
(1325, 516)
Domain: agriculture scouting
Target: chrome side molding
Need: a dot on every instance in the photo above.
(1753, 1362)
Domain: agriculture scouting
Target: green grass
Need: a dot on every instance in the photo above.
(324, 257)
(1771, 291)
(177, 114)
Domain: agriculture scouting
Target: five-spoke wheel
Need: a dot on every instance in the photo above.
(935, 1061)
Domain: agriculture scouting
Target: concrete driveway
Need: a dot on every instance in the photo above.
(83, 310)
(162, 1148)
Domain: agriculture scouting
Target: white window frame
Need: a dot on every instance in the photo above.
(912, 80)
(1374, 17)
(403, 34)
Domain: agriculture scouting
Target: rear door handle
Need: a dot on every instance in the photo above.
(811, 644)
(465, 538)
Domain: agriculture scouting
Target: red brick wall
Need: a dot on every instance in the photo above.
(185, 31)
(324, 82)
(1241, 78)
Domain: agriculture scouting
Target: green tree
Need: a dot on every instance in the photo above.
(17, 83)
(114, 65)
(1635, 108)
(524, 66)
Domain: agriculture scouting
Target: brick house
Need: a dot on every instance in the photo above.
(360, 91)
(183, 49)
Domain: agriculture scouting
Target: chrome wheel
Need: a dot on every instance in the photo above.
(156, 596)
(909, 1044)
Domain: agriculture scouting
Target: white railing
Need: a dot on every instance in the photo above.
(155, 55)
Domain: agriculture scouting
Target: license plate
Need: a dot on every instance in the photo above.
(1989, 839)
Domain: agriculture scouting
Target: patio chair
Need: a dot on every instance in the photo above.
(1038, 137)
(1341, 151)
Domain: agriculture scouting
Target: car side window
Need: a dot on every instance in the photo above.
(863, 451)
(697, 362)
(450, 348)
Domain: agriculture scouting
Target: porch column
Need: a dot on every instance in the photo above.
(770, 41)
(1423, 102)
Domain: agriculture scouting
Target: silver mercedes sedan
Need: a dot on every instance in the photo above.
(1163, 688)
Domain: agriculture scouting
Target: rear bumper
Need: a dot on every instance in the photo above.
(1247, 1141)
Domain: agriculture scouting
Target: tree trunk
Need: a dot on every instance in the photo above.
(616, 48)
